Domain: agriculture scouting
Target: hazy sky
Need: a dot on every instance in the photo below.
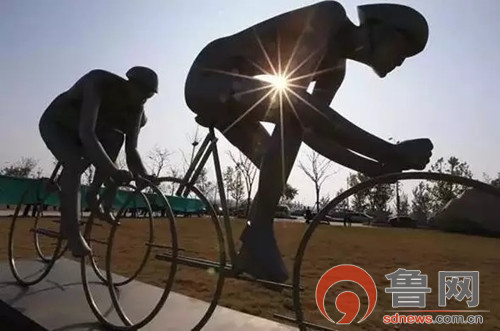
(448, 93)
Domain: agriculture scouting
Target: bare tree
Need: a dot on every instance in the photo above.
(25, 167)
(173, 172)
(344, 204)
(442, 192)
(204, 184)
(228, 178)
(249, 171)
(215, 194)
(359, 201)
(324, 201)
(495, 182)
(237, 189)
(121, 160)
(289, 193)
(421, 207)
(317, 171)
(88, 175)
(202, 181)
(404, 206)
(158, 160)
(194, 140)
(378, 198)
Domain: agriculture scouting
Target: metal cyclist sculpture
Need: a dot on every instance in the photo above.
(86, 125)
(262, 73)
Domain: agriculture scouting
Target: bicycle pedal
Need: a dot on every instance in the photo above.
(94, 223)
(97, 241)
(242, 275)
(48, 233)
(270, 285)
(113, 223)
(107, 219)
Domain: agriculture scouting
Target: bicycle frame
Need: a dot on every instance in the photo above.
(53, 176)
(209, 146)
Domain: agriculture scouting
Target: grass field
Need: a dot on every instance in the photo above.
(379, 251)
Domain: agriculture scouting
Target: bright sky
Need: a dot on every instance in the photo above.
(447, 93)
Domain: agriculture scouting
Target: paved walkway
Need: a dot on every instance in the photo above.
(58, 303)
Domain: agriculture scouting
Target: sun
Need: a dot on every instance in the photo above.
(279, 82)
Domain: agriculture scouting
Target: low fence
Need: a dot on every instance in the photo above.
(13, 188)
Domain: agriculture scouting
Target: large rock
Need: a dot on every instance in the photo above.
(473, 212)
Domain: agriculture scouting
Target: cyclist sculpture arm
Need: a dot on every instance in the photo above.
(88, 136)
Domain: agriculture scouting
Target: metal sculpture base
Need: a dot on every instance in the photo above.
(58, 303)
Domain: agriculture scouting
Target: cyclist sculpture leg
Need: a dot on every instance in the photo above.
(276, 166)
(67, 149)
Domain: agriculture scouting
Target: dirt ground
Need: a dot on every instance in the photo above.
(379, 251)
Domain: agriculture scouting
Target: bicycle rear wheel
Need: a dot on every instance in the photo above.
(385, 179)
(34, 269)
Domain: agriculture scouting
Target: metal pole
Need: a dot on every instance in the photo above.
(199, 168)
(223, 202)
(194, 163)
(397, 200)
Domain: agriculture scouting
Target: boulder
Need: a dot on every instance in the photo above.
(473, 212)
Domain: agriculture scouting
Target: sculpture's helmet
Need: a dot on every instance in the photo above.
(144, 77)
(406, 20)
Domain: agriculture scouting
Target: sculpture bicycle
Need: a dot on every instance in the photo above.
(224, 266)
(45, 188)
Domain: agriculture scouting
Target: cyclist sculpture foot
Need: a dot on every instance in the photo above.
(101, 206)
(226, 90)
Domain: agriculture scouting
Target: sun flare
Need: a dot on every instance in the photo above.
(279, 82)
(284, 84)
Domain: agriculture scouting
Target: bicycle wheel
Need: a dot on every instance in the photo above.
(385, 179)
(128, 201)
(46, 189)
(158, 199)
(35, 269)
(214, 261)
(105, 279)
